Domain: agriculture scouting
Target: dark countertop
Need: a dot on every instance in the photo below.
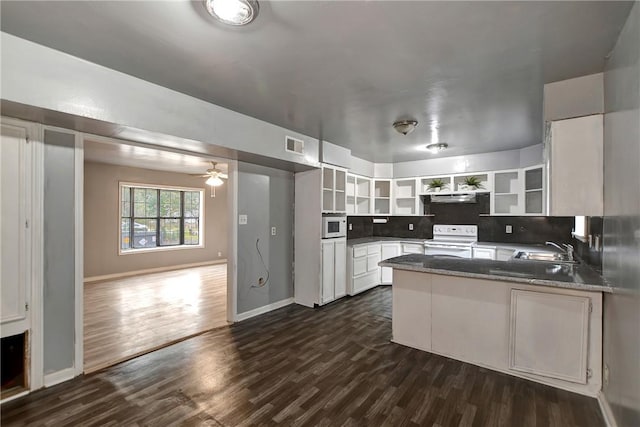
(578, 277)
(374, 239)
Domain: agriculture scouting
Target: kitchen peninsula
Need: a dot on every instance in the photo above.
(536, 320)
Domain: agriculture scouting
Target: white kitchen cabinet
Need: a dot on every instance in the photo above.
(363, 271)
(534, 190)
(333, 270)
(575, 166)
(484, 253)
(334, 183)
(506, 196)
(549, 335)
(504, 254)
(388, 250)
(382, 197)
(359, 191)
(405, 197)
(15, 169)
(412, 248)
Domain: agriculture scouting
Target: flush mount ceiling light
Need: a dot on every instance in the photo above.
(437, 147)
(405, 127)
(233, 12)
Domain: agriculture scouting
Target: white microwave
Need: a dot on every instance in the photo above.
(334, 226)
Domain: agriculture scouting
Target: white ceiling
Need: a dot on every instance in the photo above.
(344, 71)
(103, 150)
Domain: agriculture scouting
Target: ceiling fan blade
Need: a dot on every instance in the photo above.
(223, 175)
(199, 175)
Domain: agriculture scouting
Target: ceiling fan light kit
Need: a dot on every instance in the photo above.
(405, 127)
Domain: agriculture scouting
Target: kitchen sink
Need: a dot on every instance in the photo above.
(553, 257)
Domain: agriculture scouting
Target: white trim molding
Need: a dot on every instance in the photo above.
(151, 270)
(78, 360)
(59, 376)
(607, 413)
(232, 242)
(264, 309)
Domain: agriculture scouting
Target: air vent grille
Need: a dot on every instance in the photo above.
(294, 145)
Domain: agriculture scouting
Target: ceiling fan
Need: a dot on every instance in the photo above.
(214, 176)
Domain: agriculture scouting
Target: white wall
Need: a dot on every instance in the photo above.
(577, 97)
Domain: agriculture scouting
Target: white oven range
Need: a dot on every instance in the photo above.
(452, 240)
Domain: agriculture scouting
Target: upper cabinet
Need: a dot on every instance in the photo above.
(406, 200)
(359, 191)
(382, 197)
(334, 185)
(575, 163)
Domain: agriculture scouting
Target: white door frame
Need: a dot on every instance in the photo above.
(232, 241)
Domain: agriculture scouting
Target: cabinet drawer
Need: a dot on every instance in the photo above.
(359, 251)
(484, 253)
(412, 248)
(372, 262)
(359, 266)
(365, 282)
(373, 249)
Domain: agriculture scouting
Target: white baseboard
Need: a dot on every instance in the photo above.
(14, 397)
(59, 377)
(151, 270)
(264, 309)
(607, 413)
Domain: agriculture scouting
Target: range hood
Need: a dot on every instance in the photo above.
(454, 198)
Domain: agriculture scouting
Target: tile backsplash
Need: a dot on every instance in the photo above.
(525, 230)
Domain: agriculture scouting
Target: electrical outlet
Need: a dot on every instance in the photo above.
(350, 227)
(219, 254)
(410, 227)
(273, 231)
(508, 229)
(242, 219)
(605, 375)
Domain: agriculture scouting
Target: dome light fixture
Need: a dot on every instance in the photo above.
(437, 147)
(233, 12)
(405, 127)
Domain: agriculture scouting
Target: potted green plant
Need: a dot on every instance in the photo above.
(473, 183)
(437, 184)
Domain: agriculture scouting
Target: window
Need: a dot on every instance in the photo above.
(152, 217)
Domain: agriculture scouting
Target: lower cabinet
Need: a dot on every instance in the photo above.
(334, 272)
(389, 250)
(549, 335)
(363, 271)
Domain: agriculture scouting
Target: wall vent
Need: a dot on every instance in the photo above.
(294, 145)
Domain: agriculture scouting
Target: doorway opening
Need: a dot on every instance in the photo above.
(155, 249)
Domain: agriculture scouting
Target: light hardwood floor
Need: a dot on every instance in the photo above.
(134, 315)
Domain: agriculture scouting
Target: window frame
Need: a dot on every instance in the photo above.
(181, 218)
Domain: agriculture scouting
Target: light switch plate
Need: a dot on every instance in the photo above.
(350, 227)
(242, 219)
(508, 229)
(410, 227)
(273, 231)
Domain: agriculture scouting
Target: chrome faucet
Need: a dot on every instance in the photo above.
(568, 249)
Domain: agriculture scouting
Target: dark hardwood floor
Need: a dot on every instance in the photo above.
(330, 366)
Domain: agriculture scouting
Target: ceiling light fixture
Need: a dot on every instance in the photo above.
(405, 127)
(233, 12)
(214, 181)
(437, 147)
